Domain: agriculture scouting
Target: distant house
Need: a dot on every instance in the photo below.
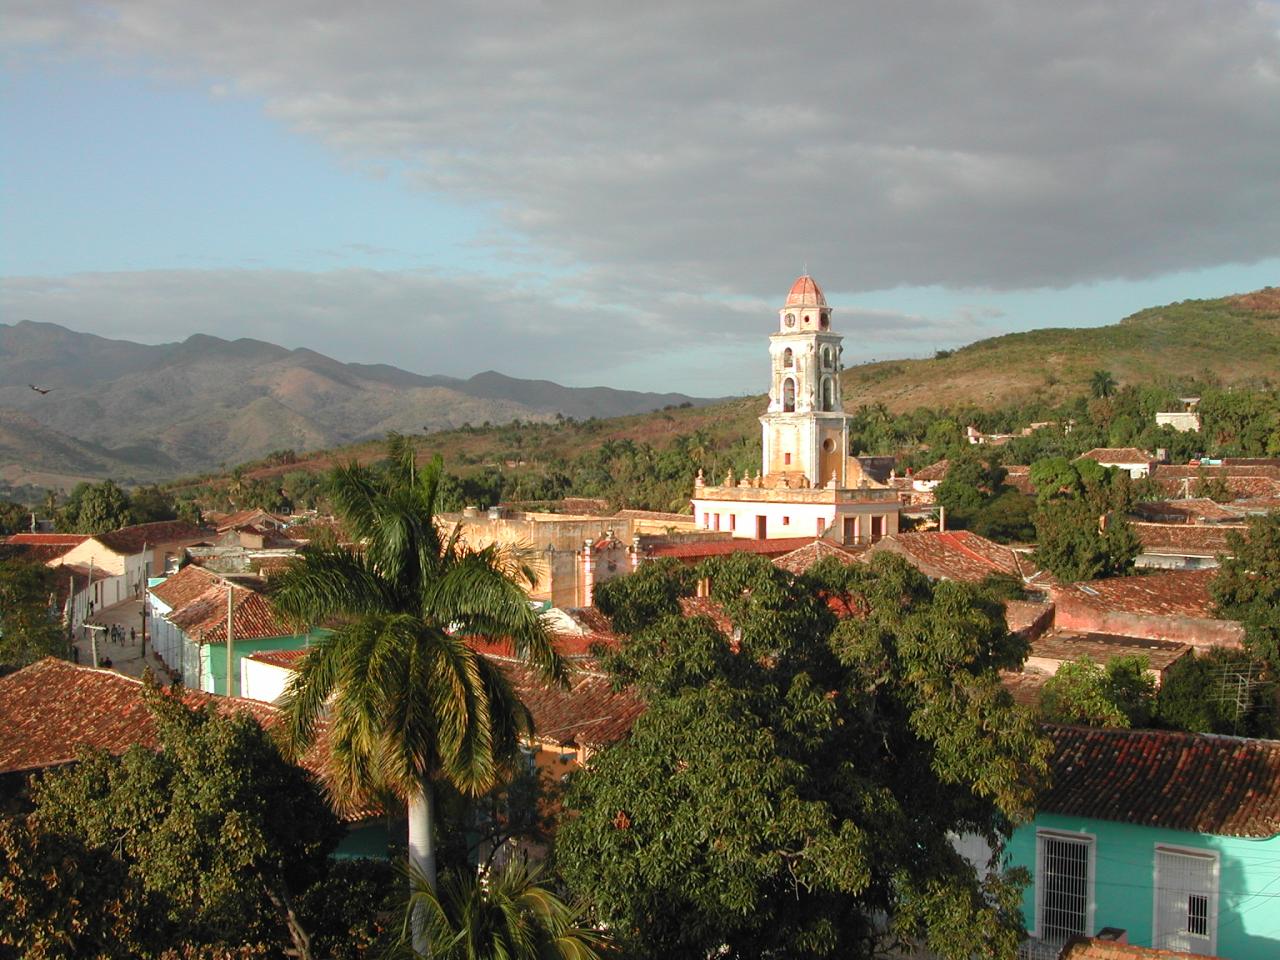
(1243, 479)
(1186, 420)
(1137, 463)
(1182, 546)
(187, 626)
(1159, 606)
(962, 555)
(1052, 649)
(1171, 838)
(1188, 510)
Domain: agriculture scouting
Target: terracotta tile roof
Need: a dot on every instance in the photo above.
(1185, 539)
(805, 292)
(1093, 949)
(184, 586)
(590, 712)
(253, 618)
(53, 709)
(591, 620)
(1027, 616)
(280, 658)
(800, 560)
(1195, 471)
(697, 549)
(1200, 783)
(1117, 455)
(1177, 593)
(1064, 645)
(1190, 510)
(40, 553)
(130, 540)
(243, 518)
(934, 471)
(960, 555)
(706, 607)
(574, 646)
(1018, 476)
(48, 539)
(1025, 686)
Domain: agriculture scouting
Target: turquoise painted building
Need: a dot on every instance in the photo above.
(1172, 837)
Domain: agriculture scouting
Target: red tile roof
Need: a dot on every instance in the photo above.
(243, 518)
(698, 549)
(1064, 645)
(1195, 471)
(805, 292)
(711, 609)
(590, 712)
(128, 541)
(1177, 593)
(934, 471)
(1117, 455)
(53, 709)
(1093, 949)
(960, 555)
(1200, 783)
(1190, 510)
(801, 559)
(1185, 539)
(185, 586)
(48, 539)
(280, 658)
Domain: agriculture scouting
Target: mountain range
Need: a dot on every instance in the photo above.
(136, 411)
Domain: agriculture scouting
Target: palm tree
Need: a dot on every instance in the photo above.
(409, 701)
(505, 913)
(1102, 384)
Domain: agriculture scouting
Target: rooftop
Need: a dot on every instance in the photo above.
(128, 541)
(1186, 539)
(1177, 593)
(1064, 645)
(805, 292)
(1189, 510)
(1200, 783)
(960, 555)
(697, 549)
(1106, 455)
(802, 558)
(1086, 948)
(185, 586)
(48, 539)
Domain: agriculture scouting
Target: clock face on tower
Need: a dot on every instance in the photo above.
(791, 320)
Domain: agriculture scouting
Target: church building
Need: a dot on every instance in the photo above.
(808, 484)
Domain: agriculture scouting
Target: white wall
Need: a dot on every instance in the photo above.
(262, 681)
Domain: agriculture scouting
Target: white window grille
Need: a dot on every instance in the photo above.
(1064, 887)
(1186, 901)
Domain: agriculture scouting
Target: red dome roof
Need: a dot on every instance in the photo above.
(805, 292)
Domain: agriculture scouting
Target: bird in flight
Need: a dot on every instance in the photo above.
(39, 390)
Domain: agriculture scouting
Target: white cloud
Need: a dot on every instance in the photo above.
(707, 147)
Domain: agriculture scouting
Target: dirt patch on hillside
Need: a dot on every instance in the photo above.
(1266, 300)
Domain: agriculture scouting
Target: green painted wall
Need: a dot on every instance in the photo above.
(213, 659)
(371, 840)
(1124, 879)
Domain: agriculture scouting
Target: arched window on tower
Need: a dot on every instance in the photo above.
(788, 358)
(828, 359)
(828, 394)
(788, 396)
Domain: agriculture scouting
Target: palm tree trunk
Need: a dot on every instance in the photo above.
(422, 855)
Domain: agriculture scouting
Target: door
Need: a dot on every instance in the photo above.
(850, 529)
(762, 528)
(1186, 902)
(877, 528)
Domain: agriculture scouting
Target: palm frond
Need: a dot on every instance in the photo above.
(323, 583)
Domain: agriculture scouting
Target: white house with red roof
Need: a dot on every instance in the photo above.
(808, 484)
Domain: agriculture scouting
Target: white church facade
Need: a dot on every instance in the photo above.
(808, 484)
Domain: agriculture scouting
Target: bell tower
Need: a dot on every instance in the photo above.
(806, 431)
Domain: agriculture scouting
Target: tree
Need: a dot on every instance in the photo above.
(1121, 694)
(29, 628)
(149, 504)
(410, 702)
(1102, 384)
(792, 794)
(1082, 530)
(506, 913)
(212, 839)
(971, 485)
(14, 517)
(95, 508)
(1220, 691)
(1247, 586)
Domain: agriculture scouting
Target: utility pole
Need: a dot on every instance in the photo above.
(89, 611)
(230, 639)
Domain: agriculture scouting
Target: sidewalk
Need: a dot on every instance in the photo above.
(126, 657)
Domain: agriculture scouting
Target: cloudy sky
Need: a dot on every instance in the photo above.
(621, 193)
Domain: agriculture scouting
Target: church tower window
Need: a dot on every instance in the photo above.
(828, 394)
(788, 396)
(788, 358)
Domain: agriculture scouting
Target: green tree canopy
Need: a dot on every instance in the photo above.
(795, 797)
(212, 839)
(1220, 691)
(95, 508)
(1120, 694)
(30, 627)
(1247, 586)
(1081, 519)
